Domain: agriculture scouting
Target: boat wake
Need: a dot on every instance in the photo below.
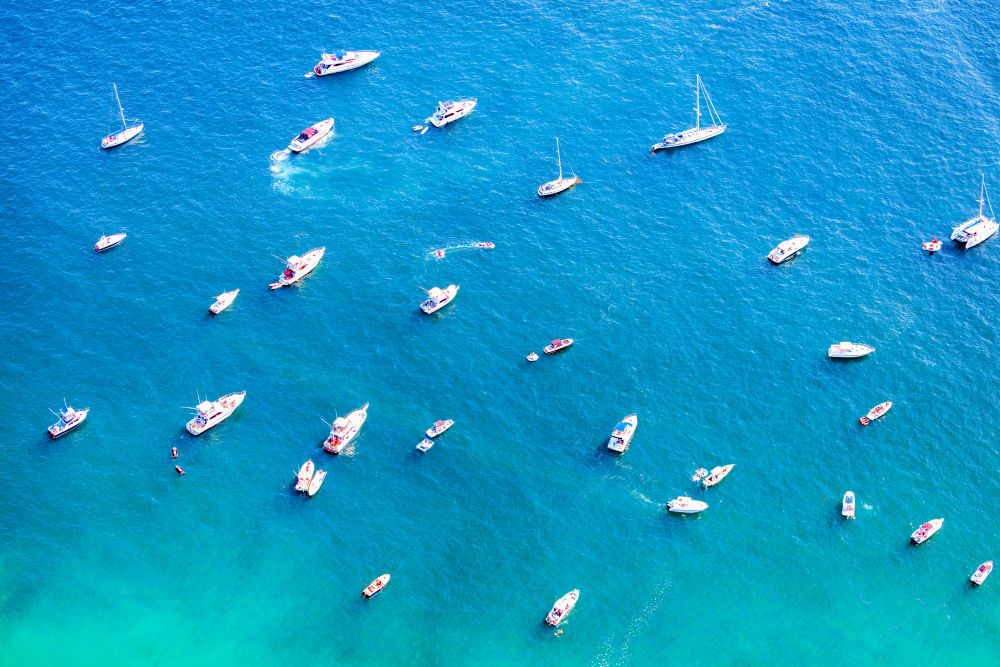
(440, 253)
(279, 156)
(608, 651)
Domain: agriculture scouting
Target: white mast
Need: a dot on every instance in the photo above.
(982, 189)
(120, 110)
(697, 103)
(559, 159)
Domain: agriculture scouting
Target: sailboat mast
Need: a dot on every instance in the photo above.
(982, 189)
(697, 103)
(559, 158)
(120, 110)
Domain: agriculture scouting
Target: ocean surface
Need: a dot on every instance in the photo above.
(865, 125)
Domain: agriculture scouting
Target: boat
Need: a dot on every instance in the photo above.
(424, 445)
(983, 571)
(931, 246)
(717, 474)
(311, 135)
(485, 245)
(697, 133)
(978, 229)
(847, 506)
(532, 356)
(304, 477)
(223, 301)
(211, 413)
(685, 505)
(299, 267)
(876, 412)
(127, 132)
(557, 344)
(848, 350)
(376, 586)
(69, 419)
(699, 474)
(925, 531)
(438, 298)
(788, 249)
(109, 242)
(621, 436)
(449, 112)
(343, 61)
(560, 184)
(344, 429)
(316, 482)
(562, 607)
(440, 427)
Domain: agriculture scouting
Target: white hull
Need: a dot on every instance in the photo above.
(109, 242)
(432, 305)
(439, 428)
(926, 531)
(877, 412)
(847, 505)
(848, 350)
(376, 586)
(562, 607)
(621, 439)
(717, 474)
(983, 571)
(424, 445)
(61, 427)
(788, 249)
(345, 429)
(688, 137)
(457, 110)
(121, 136)
(216, 413)
(323, 128)
(685, 505)
(351, 60)
(304, 477)
(223, 301)
(316, 482)
(557, 186)
(301, 269)
(975, 231)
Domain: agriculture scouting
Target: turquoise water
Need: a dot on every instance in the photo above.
(864, 125)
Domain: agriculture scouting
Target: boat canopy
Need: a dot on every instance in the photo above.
(340, 422)
(204, 406)
(306, 133)
(845, 344)
(67, 413)
(436, 294)
(293, 261)
(444, 106)
(620, 428)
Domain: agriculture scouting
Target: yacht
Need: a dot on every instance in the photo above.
(316, 482)
(211, 413)
(344, 429)
(562, 607)
(130, 128)
(109, 242)
(978, 229)
(697, 133)
(560, 184)
(925, 531)
(311, 135)
(876, 412)
(299, 267)
(983, 571)
(557, 344)
(717, 474)
(440, 427)
(685, 505)
(223, 301)
(69, 419)
(304, 477)
(449, 112)
(424, 445)
(438, 298)
(788, 249)
(847, 350)
(376, 586)
(847, 506)
(343, 61)
(621, 436)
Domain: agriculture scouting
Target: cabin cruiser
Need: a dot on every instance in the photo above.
(621, 436)
(311, 135)
(562, 607)
(304, 477)
(847, 506)
(978, 229)
(557, 344)
(925, 531)
(344, 429)
(316, 482)
(299, 267)
(438, 298)
(343, 61)
(788, 249)
(979, 576)
(211, 413)
(109, 242)
(223, 301)
(717, 474)
(847, 350)
(376, 586)
(685, 505)
(448, 112)
(876, 412)
(424, 445)
(440, 427)
(69, 419)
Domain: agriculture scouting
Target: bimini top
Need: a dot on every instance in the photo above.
(620, 428)
(67, 413)
(294, 260)
(444, 106)
(204, 406)
(340, 422)
(308, 132)
(436, 294)
(339, 54)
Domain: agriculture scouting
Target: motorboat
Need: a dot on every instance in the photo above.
(344, 429)
(376, 586)
(931, 246)
(69, 419)
(876, 412)
(532, 356)
(847, 350)
(697, 133)
(621, 436)
(316, 482)
(440, 427)
(485, 245)
(304, 477)
(978, 229)
(685, 505)
(109, 242)
(211, 413)
(343, 61)
(130, 128)
(299, 267)
(560, 184)
(438, 298)
(717, 474)
(788, 249)
(847, 506)
(562, 607)
(449, 112)
(223, 301)
(311, 135)
(424, 445)
(925, 531)
(983, 571)
(557, 344)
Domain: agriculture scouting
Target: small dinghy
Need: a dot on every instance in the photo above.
(376, 586)
(847, 506)
(304, 477)
(532, 356)
(562, 607)
(699, 474)
(685, 505)
(424, 445)
(438, 298)
(979, 576)
(931, 246)
(223, 301)
(848, 350)
(876, 412)
(440, 427)
(311, 136)
(788, 249)
(109, 242)
(925, 531)
(717, 475)
(558, 344)
(316, 482)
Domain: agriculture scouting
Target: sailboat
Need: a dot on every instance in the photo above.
(697, 133)
(127, 132)
(560, 184)
(975, 231)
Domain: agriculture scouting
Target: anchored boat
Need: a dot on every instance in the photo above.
(344, 429)
(211, 413)
(376, 586)
(562, 607)
(343, 61)
(127, 132)
(876, 412)
(304, 477)
(69, 419)
(685, 505)
(847, 505)
(621, 435)
(438, 298)
(978, 229)
(560, 184)
(697, 133)
(299, 267)
(717, 475)
(109, 242)
(925, 531)
(848, 350)
(223, 301)
(788, 249)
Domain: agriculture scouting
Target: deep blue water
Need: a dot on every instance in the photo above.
(864, 125)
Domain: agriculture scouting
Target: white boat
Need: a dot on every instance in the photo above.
(304, 477)
(697, 133)
(557, 344)
(532, 356)
(211, 413)
(925, 531)
(717, 474)
(621, 436)
(438, 298)
(699, 474)
(439, 427)
(978, 229)
(343, 61)
(562, 607)
(223, 301)
(788, 249)
(560, 184)
(983, 571)
(69, 419)
(311, 135)
(344, 429)
(127, 132)
(848, 350)
(376, 586)
(424, 445)
(685, 505)
(449, 112)
(316, 482)
(109, 242)
(876, 412)
(847, 505)
(299, 267)
(931, 246)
